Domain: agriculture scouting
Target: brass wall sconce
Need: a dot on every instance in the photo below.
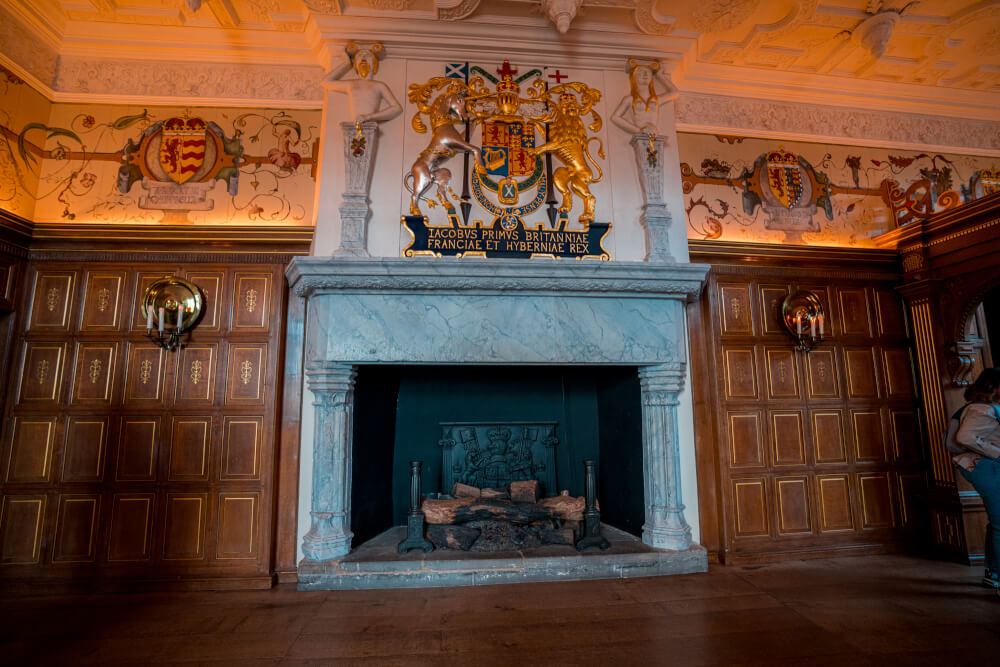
(174, 306)
(803, 315)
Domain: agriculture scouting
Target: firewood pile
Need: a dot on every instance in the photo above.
(508, 519)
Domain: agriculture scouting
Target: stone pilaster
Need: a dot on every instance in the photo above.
(665, 527)
(654, 216)
(332, 385)
(355, 210)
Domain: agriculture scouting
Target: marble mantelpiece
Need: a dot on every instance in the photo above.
(476, 311)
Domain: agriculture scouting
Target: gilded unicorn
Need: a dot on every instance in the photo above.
(447, 109)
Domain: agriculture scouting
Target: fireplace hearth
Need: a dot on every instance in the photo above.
(497, 313)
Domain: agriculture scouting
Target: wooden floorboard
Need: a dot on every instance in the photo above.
(870, 610)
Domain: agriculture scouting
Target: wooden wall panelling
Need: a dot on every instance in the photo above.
(287, 474)
(21, 521)
(104, 294)
(814, 450)
(53, 297)
(135, 461)
(31, 448)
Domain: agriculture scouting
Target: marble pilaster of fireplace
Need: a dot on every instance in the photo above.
(474, 311)
(665, 527)
(332, 386)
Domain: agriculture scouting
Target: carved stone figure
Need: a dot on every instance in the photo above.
(568, 141)
(370, 102)
(447, 110)
(638, 112)
(367, 98)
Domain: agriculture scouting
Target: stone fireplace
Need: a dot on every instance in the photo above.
(467, 312)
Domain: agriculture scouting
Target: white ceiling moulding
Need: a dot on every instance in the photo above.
(714, 114)
(838, 91)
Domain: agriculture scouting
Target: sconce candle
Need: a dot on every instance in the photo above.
(169, 295)
(802, 314)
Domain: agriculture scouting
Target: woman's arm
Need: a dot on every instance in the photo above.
(980, 431)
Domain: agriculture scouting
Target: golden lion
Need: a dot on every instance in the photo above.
(568, 141)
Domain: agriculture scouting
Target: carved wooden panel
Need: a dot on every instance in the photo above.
(793, 505)
(102, 300)
(750, 507)
(52, 301)
(190, 442)
(85, 449)
(144, 374)
(787, 441)
(861, 374)
(905, 435)
(247, 369)
(31, 449)
(210, 283)
(734, 301)
(891, 321)
(195, 381)
(898, 374)
(834, 503)
(771, 299)
(782, 373)
(237, 526)
(251, 301)
(21, 519)
(869, 441)
(184, 533)
(131, 523)
(143, 280)
(241, 442)
(822, 369)
(94, 372)
(828, 436)
(740, 372)
(854, 319)
(40, 379)
(745, 439)
(876, 502)
(76, 528)
(137, 449)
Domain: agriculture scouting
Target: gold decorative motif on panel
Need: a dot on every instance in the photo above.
(95, 371)
(782, 372)
(196, 368)
(821, 370)
(42, 371)
(103, 298)
(145, 371)
(52, 298)
(734, 304)
(251, 300)
(246, 371)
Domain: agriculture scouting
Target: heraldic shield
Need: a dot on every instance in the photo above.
(784, 178)
(182, 149)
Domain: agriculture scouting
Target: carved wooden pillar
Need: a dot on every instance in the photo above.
(950, 523)
(665, 527)
(332, 385)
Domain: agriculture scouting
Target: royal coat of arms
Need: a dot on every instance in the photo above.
(512, 166)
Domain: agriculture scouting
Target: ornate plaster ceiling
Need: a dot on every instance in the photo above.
(936, 52)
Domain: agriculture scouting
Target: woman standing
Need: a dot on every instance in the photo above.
(979, 434)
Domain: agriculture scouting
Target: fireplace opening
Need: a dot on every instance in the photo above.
(556, 416)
